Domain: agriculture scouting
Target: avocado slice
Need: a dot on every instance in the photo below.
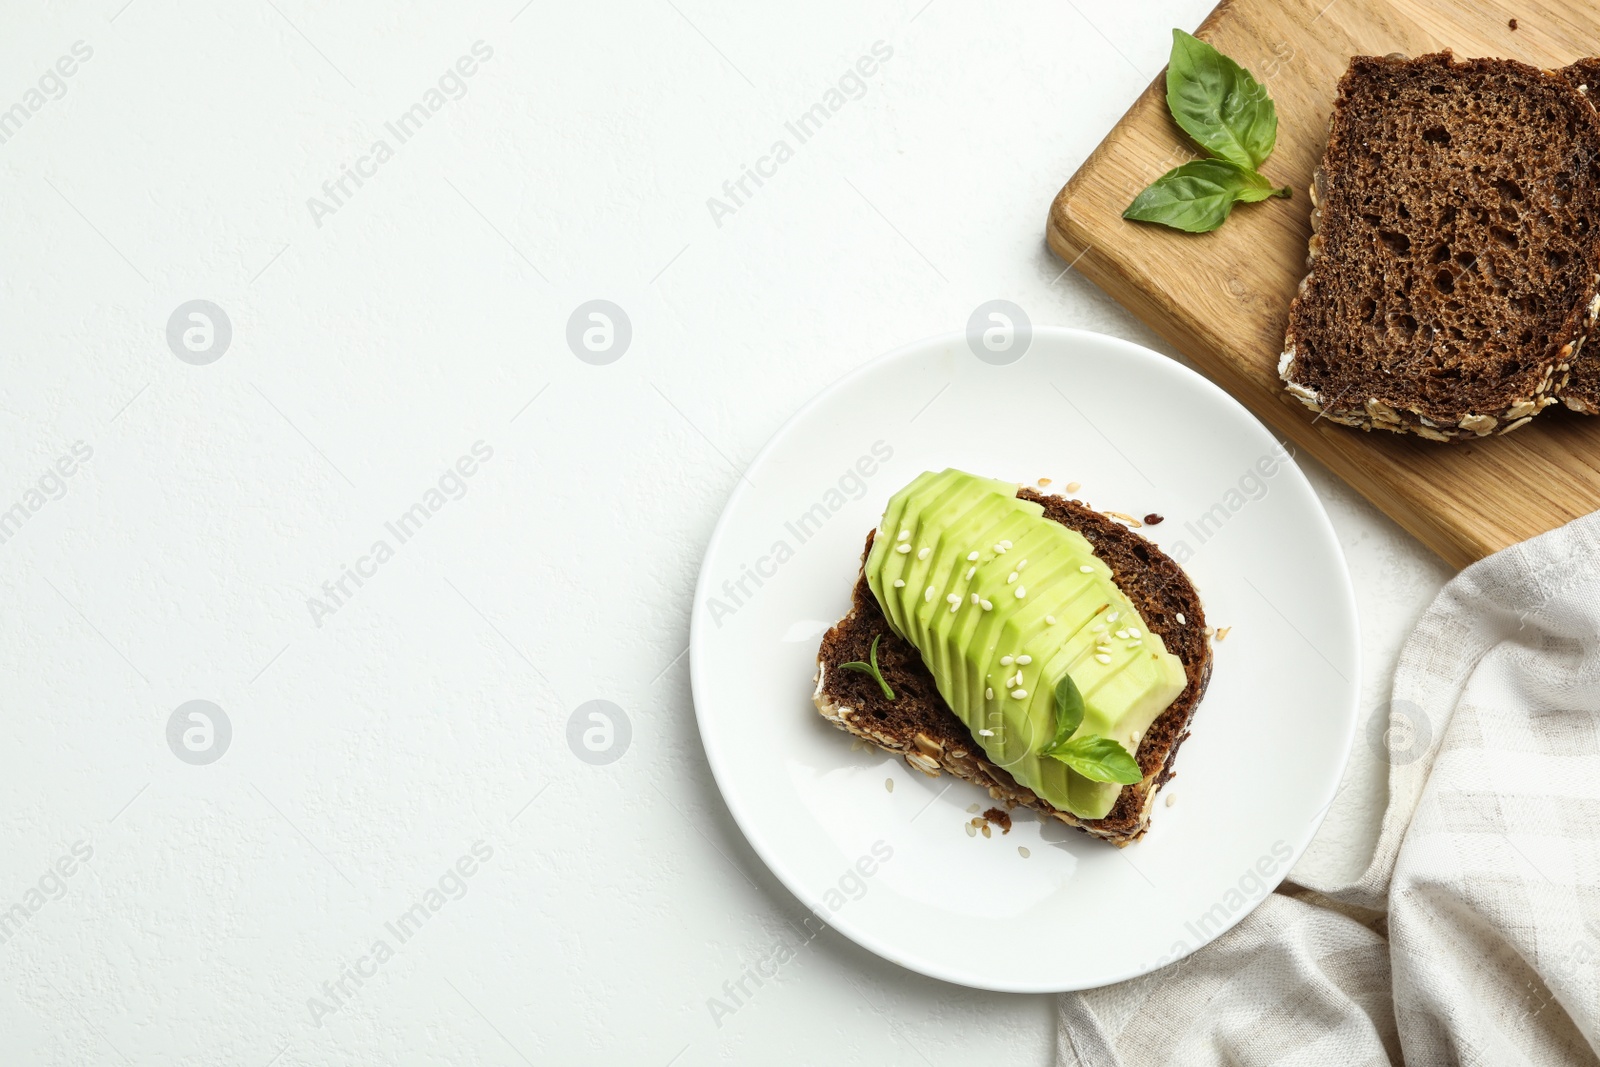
(978, 632)
(938, 618)
(946, 493)
(885, 563)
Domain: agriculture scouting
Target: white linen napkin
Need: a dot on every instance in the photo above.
(1474, 935)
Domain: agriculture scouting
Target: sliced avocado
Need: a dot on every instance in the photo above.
(978, 632)
(1089, 799)
(926, 513)
(1066, 622)
(1056, 589)
(885, 563)
(941, 494)
(1017, 726)
(939, 619)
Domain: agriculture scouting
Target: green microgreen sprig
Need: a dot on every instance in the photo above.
(871, 668)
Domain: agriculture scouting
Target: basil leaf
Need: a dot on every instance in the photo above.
(1069, 713)
(1099, 759)
(1198, 196)
(1219, 104)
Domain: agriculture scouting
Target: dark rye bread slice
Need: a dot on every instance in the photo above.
(1583, 387)
(1457, 247)
(919, 725)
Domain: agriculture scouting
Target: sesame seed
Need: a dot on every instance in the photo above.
(999, 548)
(1011, 577)
(973, 809)
(972, 557)
(1102, 657)
(1018, 694)
(902, 548)
(1073, 487)
(927, 594)
(1182, 621)
(1022, 591)
(970, 572)
(1050, 620)
(888, 783)
(905, 535)
(1006, 545)
(1113, 616)
(1123, 634)
(1024, 660)
(1022, 850)
(1043, 482)
(976, 598)
(972, 831)
(925, 552)
(984, 829)
(1135, 644)
(1006, 661)
(1100, 628)
(988, 694)
(985, 605)
(899, 583)
(1021, 565)
(1133, 631)
(956, 606)
(953, 598)
(1172, 798)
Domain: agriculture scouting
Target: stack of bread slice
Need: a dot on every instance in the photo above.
(1455, 259)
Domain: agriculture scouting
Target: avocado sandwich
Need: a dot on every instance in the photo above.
(1455, 254)
(1024, 643)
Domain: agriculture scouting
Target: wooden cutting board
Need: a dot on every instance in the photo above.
(1222, 298)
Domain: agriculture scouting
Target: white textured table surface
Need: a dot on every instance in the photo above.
(398, 745)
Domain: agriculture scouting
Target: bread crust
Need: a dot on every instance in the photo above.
(1538, 379)
(1582, 391)
(920, 727)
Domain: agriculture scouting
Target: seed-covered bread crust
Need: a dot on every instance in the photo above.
(1455, 263)
(1583, 387)
(920, 726)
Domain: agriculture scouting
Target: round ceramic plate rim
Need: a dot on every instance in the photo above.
(771, 856)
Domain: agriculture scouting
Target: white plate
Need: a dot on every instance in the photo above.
(895, 870)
